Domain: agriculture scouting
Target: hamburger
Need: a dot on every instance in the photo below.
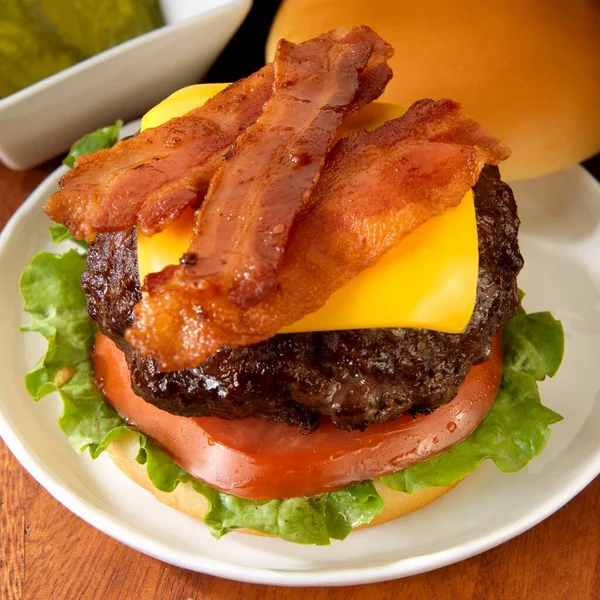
(293, 311)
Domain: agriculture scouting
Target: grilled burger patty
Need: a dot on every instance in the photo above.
(356, 377)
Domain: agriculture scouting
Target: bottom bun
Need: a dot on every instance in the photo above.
(124, 449)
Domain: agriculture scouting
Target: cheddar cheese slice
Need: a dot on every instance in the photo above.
(428, 281)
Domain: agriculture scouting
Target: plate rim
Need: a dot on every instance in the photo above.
(328, 576)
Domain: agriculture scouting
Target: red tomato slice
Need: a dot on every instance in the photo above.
(257, 459)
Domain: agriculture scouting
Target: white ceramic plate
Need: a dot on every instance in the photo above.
(561, 243)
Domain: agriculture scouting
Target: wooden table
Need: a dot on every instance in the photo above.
(48, 553)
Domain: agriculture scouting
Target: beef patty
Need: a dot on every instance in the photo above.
(356, 377)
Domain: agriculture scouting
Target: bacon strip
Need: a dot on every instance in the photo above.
(151, 178)
(374, 189)
(243, 225)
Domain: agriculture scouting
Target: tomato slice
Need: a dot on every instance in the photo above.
(257, 459)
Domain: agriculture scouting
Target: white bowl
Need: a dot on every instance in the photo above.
(560, 239)
(123, 82)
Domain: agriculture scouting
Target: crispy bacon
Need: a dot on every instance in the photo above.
(377, 74)
(375, 188)
(151, 177)
(243, 225)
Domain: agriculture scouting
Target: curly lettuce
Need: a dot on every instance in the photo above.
(105, 137)
(514, 431)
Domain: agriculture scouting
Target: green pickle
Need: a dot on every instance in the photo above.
(41, 37)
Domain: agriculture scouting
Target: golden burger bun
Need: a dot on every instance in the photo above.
(185, 499)
(528, 70)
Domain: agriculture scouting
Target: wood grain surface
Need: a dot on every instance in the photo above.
(46, 553)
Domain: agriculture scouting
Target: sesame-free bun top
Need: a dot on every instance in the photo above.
(528, 70)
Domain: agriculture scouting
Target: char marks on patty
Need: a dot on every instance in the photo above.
(356, 377)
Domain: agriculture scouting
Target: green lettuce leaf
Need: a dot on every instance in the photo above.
(533, 344)
(513, 432)
(59, 233)
(53, 297)
(302, 520)
(516, 428)
(105, 137)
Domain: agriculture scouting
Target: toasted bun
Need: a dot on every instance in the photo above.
(124, 449)
(525, 69)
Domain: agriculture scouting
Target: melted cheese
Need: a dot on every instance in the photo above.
(429, 280)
